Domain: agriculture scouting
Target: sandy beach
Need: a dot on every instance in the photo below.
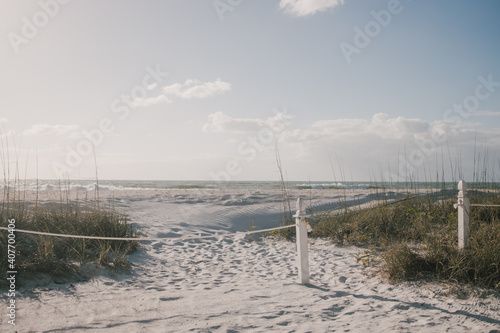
(233, 284)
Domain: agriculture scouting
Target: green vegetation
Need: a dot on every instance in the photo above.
(417, 237)
(57, 256)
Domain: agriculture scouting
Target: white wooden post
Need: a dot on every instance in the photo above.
(302, 255)
(463, 216)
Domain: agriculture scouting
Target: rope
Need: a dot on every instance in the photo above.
(481, 205)
(148, 238)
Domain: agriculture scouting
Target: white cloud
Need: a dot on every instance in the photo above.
(196, 89)
(380, 125)
(396, 128)
(187, 90)
(46, 129)
(384, 137)
(144, 102)
(220, 122)
(308, 7)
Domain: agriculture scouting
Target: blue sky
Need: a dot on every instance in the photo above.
(208, 89)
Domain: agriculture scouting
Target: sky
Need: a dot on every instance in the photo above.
(216, 90)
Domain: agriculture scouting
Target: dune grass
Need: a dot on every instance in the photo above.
(417, 237)
(56, 256)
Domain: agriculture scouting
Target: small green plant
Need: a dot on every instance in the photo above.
(366, 257)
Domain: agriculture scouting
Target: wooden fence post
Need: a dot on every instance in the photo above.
(302, 255)
(463, 216)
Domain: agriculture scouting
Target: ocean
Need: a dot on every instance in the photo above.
(124, 185)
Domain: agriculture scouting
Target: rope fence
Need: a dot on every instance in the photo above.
(229, 234)
(300, 226)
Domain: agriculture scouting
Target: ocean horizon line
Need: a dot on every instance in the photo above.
(105, 184)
